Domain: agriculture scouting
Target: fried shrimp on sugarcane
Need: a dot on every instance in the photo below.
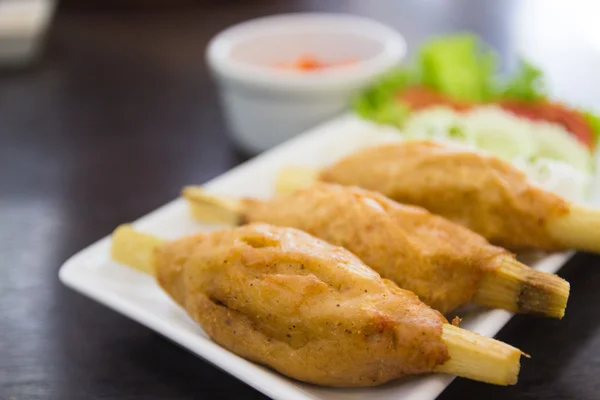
(310, 310)
(445, 264)
(483, 193)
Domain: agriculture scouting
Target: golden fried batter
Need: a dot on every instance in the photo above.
(308, 309)
(483, 193)
(440, 261)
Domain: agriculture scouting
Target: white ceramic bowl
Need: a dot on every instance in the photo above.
(266, 105)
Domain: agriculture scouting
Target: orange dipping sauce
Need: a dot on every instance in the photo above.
(309, 62)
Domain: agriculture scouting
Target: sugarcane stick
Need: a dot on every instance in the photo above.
(511, 286)
(471, 355)
(212, 209)
(134, 249)
(479, 358)
(292, 178)
(577, 229)
(515, 287)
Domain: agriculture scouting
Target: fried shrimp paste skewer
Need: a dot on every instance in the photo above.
(483, 193)
(310, 310)
(445, 264)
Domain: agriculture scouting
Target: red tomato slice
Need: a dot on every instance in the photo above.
(418, 98)
(572, 120)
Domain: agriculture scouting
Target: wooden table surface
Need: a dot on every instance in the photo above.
(120, 113)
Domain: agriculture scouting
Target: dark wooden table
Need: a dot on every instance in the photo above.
(119, 114)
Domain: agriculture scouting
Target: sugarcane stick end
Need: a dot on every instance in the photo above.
(578, 229)
(134, 249)
(518, 288)
(212, 209)
(292, 178)
(480, 358)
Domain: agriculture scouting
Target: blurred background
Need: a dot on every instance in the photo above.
(115, 110)
(128, 77)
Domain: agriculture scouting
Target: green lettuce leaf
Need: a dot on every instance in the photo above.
(459, 66)
(377, 102)
(526, 85)
(593, 121)
(392, 113)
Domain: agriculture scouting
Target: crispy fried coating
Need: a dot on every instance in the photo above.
(313, 311)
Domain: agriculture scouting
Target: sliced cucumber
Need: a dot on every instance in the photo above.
(500, 133)
(556, 143)
(436, 123)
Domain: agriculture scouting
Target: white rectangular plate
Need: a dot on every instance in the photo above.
(135, 295)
